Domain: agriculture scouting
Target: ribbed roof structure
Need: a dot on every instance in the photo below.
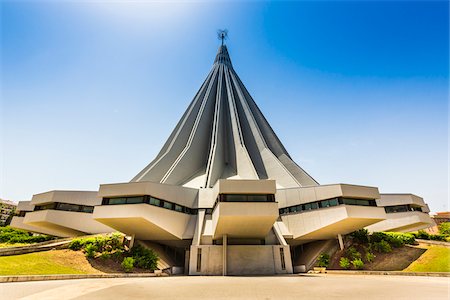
(223, 134)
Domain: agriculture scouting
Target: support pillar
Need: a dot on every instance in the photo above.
(132, 240)
(224, 254)
(341, 241)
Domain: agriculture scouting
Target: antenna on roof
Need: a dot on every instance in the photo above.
(222, 34)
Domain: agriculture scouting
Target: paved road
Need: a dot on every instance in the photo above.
(279, 287)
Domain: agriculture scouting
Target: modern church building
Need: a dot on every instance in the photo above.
(224, 197)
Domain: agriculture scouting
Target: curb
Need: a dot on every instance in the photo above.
(23, 278)
(430, 242)
(398, 273)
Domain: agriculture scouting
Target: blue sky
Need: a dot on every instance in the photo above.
(356, 91)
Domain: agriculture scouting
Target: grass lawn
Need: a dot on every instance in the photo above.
(7, 245)
(435, 259)
(47, 262)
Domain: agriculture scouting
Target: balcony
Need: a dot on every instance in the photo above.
(243, 219)
(64, 223)
(403, 222)
(327, 223)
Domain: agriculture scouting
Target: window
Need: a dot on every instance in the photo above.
(178, 208)
(87, 209)
(283, 263)
(167, 205)
(199, 259)
(66, 207)
(333, 202)
(113, 201)
(247, 198)
(154, 201)
(133, 200)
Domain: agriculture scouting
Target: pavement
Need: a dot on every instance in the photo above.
(317, 286)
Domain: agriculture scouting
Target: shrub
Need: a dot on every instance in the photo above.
(127, 264)
(144, 258)
(370, 257)
(352, 253)
(358, 263)
(377, 237)
(423, 235)
(360, 236)
(89, 250)
(107, 243)
(11, 235)
(75, 244)
(382, 246)
(406, 238)
(323, 260)
(444, 228)
(344, 262)
(105, 255)
(438, 237)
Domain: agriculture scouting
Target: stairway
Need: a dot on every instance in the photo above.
(167, 257)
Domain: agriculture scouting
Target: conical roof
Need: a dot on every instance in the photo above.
(223, 134)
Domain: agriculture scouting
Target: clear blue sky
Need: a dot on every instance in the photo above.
(357, 91)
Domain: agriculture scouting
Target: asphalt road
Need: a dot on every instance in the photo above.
(278, 287)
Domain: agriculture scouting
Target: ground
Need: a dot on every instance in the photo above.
(397, 260)
(435, 259)
(219, 287)
(47, 262)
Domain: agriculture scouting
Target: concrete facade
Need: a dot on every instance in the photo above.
(223, 196)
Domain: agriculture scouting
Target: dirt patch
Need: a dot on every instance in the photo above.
(73, 259)
(397, 260)
(112, 265)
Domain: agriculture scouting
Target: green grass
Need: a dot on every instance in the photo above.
(7, 245)
(435, 259)
(48, 262)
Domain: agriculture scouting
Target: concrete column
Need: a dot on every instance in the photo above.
(132, 240)
(224, 254)
(341, 241)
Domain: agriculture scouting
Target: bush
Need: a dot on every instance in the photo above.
(438, 237)
(423, 235)
(323, 260)
(352, 253)
(358, 263)
(127, 264)
(444, 228)
(144, 258)
(105, 255)
(75, 244)
(102, 244)
(90, 250)
(370, 257)
(382, 246)
(344, 262)
(360, 236)
(11, 236)
(405, 238)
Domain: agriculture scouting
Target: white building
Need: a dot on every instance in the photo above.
(223, 196)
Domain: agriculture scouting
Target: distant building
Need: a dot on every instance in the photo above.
(437, 219)
(7, 209)
(223, 196)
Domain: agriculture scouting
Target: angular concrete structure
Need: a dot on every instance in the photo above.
(223, 196)
(404, 213)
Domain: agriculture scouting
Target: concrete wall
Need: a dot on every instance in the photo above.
(176, 194)
(294, 196)
(74, 197)
(241, 260)
(400, 199)
(403, 222)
